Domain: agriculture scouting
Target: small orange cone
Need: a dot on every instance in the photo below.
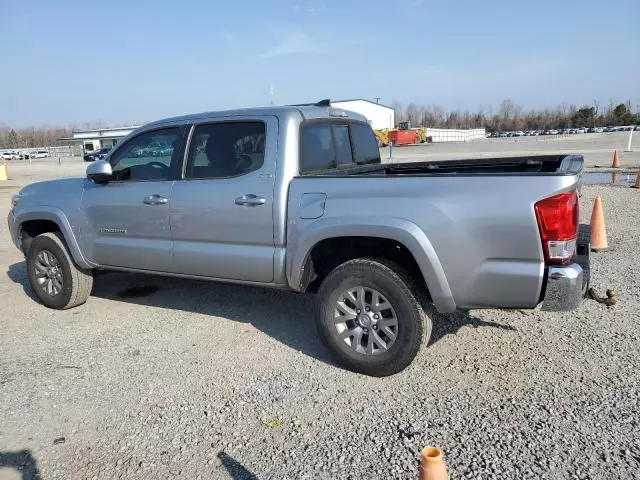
(616, 160)
(637, 184)
(432, 465)
(598, 230)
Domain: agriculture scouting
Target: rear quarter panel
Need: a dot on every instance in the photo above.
(481, 229)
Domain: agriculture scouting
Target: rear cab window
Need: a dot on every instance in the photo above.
(328, 145)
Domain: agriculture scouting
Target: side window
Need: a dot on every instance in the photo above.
(317, 148)
(226, 149)
(149, 156)
(325, 146)
(364, 144)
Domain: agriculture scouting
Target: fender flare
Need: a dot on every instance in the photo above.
(57, 216)
(401, 230)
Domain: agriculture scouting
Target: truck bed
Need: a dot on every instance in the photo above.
(477, 217)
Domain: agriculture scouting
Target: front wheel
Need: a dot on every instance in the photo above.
(54, 277)
(371, 318)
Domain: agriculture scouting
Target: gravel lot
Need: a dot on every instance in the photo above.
(157, 378)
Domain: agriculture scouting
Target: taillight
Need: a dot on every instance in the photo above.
(558, 224)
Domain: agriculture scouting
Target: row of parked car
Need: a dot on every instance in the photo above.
(23, 154)
(560, 131)
(155, 149)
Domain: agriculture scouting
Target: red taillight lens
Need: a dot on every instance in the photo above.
(558, 224)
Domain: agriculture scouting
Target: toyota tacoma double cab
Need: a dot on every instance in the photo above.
(296, 198)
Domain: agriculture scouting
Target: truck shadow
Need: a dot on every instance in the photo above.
(21, 462)
(284, 316)
(450, 323)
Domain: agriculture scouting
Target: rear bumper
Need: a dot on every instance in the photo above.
(567, 285)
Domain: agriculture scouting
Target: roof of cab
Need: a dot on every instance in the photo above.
(303, 111)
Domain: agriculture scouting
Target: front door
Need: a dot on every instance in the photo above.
(222, 210)
(128, 218)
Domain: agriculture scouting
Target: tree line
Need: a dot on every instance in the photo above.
(31, 137)
(508, 117)
(512, 117)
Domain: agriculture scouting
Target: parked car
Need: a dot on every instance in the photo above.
(553, 132)
(609, 129)
(11, 155)
(96, 154)
(276, 205)
(38, 154)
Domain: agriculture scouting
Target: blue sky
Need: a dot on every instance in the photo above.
(117, 61)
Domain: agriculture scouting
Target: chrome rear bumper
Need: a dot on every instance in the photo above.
(567, 284)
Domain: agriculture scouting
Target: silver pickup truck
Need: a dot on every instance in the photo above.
(296, 197)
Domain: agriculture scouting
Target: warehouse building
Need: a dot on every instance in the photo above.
(380, 116)
(98, 138)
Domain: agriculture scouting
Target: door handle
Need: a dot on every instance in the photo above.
(155, 199)
(250, 200)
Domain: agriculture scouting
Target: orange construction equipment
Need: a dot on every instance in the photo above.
(616, 160)
(637, 184)
(598, 230)
(432, 465)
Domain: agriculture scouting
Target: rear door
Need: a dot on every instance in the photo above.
(222, 208)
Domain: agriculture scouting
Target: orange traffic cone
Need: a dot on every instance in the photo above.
(432, 465)
(637, 184)
(598, 230)
(616, 160)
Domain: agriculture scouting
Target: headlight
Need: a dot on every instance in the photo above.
(15, 198)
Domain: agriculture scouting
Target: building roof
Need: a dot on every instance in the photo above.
(110, 129)
(88, 139)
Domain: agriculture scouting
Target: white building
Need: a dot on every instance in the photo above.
(98, 138)
(379, 116)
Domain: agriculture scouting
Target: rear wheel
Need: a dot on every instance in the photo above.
(371, 318)
(54, 277)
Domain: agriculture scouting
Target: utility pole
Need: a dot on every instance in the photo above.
(377, 99)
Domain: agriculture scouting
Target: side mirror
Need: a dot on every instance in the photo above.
(99, 172)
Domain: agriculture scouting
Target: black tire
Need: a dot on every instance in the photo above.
(76, 282)
(400, 290)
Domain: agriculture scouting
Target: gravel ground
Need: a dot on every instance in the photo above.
(157, 378)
